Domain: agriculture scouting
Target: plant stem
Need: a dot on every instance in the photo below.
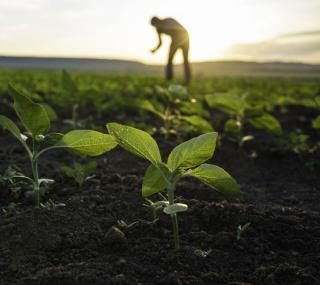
(167, 123)
(174, 220)
(154, 212)
(174, 217)
(36, 186)
(74, 115)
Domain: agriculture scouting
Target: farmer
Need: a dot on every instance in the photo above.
(179, 40)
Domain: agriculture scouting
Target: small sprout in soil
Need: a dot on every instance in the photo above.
(80, 172)
(122, 224)
(157, 207)
(10, 210)
(51, 205)
(185, 160)
(202, 253)
(15, 181)
(37, 140)
(242, 229)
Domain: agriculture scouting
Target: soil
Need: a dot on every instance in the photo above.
(104, 235)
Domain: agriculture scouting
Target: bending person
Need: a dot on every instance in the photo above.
(179, 40)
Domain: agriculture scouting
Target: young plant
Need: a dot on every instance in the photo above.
(185, 160)
(242, 229)
(157, 207)
(177, 110)
(241, 112)
(80, 172)
(15, 181)
(35, 120)
(72, 95)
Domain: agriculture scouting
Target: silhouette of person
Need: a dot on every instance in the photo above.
(179, 40)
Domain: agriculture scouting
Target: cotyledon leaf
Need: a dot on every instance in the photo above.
(175, 208)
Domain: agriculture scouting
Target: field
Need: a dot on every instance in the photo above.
(92, 225)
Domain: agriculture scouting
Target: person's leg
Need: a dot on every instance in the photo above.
(187, 71)
(169, 70)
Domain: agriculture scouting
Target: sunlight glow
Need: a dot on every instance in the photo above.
(122, 30)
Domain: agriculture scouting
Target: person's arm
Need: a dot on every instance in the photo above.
(159, 44)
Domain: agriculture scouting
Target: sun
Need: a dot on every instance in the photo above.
(214, 26)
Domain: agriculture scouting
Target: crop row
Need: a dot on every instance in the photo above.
(174, 111)
(187, 159)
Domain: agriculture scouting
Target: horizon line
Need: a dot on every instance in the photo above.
(88, 57)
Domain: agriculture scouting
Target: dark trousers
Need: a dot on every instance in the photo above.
(183, 44)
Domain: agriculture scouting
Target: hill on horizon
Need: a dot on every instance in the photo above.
(207, 68)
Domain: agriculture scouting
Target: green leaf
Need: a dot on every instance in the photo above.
(148, 106)
(87, 142)
(68, 84)
(68, 170)
(245, 227)
(232, 126)
(199, 123)
(316, 123)
(178, 91)
(216, 177)
(268, 123)
(50, 112)
(153, 181)
(192, 152)
(228, 103)
(175, 208)
(32, 115)
(11, 127)
(88, 167)
(52, 139)
(136, 141)
(193, 108)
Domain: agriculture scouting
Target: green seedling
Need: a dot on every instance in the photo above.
(242, 112)
(15, 181)
(70, 89)
(300, 143)
(156, 207)
(73, 122)
(185, 160)
(80, 172)
(202, 253)
(316, 123)
(122, 224)
(37, 140)
(10, 210)
(72, 95)
(175, 110)
(51, 205)
(242, 229)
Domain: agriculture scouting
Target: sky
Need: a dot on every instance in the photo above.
(261, 30)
